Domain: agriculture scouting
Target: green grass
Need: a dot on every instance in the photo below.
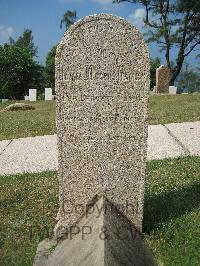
(172, 207)
(165, 109)
(20, 124)
(29, 204)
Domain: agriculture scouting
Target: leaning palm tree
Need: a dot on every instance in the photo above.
(68, 19)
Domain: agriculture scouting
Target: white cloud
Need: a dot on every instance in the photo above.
(137, 18)
(5, 33)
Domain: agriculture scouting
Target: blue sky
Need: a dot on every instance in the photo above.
(43, 17)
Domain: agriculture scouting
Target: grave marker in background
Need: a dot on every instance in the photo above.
(172, 90)
(4, 100)
(32, 95)
(163, 76)
(26, 98)
(48, 94)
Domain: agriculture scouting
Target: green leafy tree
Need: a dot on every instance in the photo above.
(26, 41)
(172, 23)
(190, 79)
(154, 64)
(68, 19)
(50, 68)
(38, 78)
(17, 69)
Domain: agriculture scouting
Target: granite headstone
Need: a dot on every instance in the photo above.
(163, 76)
(102, 85)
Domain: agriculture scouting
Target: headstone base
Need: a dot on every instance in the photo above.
(104, 236)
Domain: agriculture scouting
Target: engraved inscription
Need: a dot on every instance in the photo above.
(89, 73)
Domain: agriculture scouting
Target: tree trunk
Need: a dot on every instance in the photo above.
(176, 73)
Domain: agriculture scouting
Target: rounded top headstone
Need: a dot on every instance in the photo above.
(111, 19)
(103, 41)
(102, 85)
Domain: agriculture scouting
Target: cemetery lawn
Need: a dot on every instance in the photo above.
(29, 204)
(163, 109)
(22, 124)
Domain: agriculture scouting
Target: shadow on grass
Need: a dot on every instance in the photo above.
(161, 208)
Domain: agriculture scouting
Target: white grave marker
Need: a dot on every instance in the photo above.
(32, 95)
(48, 94)
(4, 100)
(172, 90)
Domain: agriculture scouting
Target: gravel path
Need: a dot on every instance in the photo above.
(37, 154)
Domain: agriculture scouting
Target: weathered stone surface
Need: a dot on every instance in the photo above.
(162, 79)
(102, 84)
(104, 236)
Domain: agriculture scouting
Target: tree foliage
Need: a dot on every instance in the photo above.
(189, 78)
(68, 19)
(26, 41)
(50, 68)
(38, 78)
(17, 69)
(172, 23)
(154, 64)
